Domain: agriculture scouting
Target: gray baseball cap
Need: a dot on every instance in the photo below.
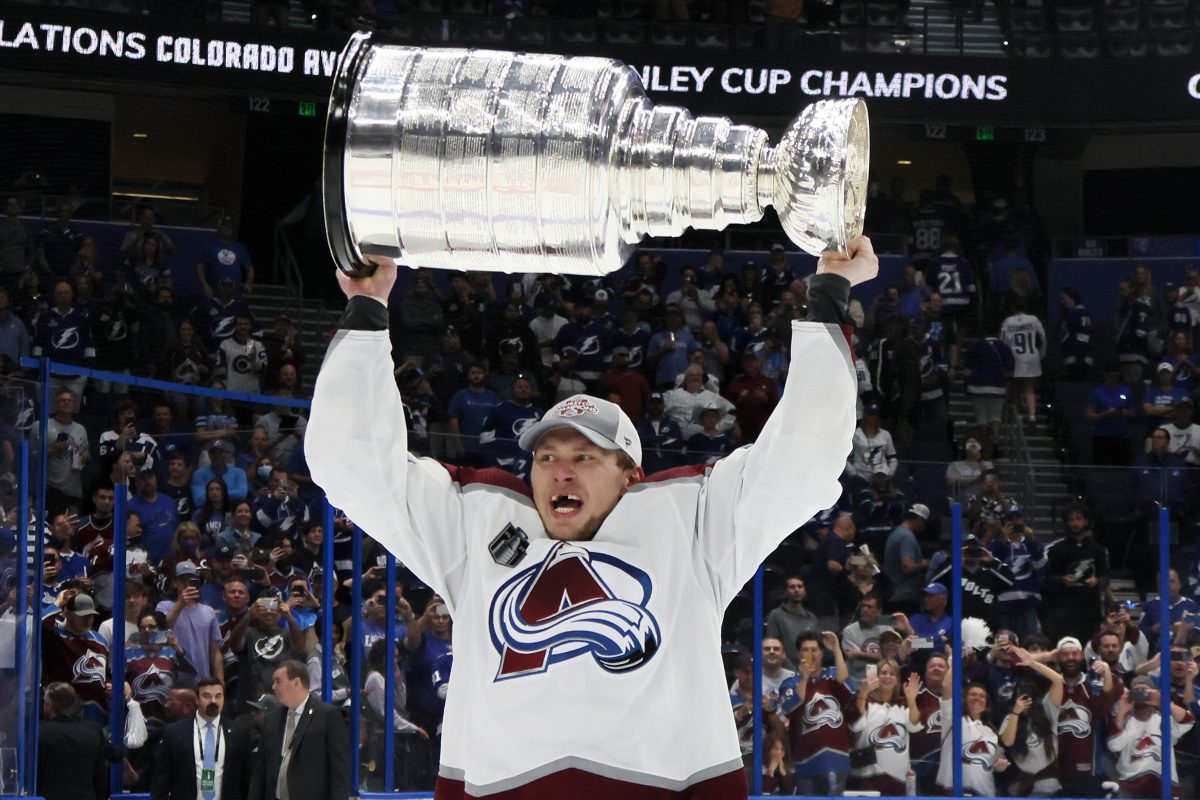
(604, 424)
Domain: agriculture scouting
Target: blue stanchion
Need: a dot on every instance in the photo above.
(957, 663)
(758, 709)
(389, 679)
(354, 652)
(116, 648)
(1164, 643)
(328, 587)
(39, 579)
(21, 658)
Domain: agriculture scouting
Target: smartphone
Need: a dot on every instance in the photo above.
(1178, 656)
(872, 671)
(1131, 604)
(1192, 618)
(887, 619)
(155, 637)
(381, 561)
(1140, 695)
(922, 643)
(194, 582)
(270, 603)
(63, 437)
(441, 610)
(287, 421)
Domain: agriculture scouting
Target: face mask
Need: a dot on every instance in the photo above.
(264, 473)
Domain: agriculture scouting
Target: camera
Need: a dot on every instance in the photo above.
(269, 603)
(1140, 695)
(1180, 655)
(155, 637)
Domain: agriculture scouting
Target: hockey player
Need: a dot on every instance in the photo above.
(601, 586)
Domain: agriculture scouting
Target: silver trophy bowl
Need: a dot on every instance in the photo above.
(505, 162)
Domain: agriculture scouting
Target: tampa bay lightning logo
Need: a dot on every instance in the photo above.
(589, 346)
(521, 425)
(66, 339)
(1075, 720)
(566, 607)
(889, 737)
(222, 327)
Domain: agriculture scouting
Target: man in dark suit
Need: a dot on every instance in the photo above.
(73, 753)
(203, 757)
(304, 753)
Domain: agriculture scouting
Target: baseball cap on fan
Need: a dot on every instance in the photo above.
(602, 423)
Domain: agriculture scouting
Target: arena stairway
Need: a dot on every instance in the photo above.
(1030, 465)
(980, 37)
(312, 318)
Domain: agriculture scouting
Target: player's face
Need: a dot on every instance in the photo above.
(576, 484)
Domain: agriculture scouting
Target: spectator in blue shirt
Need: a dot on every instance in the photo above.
(1111, 407)
(469, 409)
(220, 453)
(933, 622)
(1159, 477)
(1180, 605)
(1022, 553)
(14, 336)
(671, 349)
(158, 513)
(225, 259)
(662, 438)
(1159, 402)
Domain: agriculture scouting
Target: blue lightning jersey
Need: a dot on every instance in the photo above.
(501, 430)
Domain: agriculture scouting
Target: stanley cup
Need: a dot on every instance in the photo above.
(505, 162)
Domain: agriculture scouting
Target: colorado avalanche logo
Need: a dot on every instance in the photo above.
(90, 668)
(889, 737)
(577, 407)
(1074, 720)
(563, 608)
(934, 723)
(822, 711)
(1148, 747)
(153, 684)
(981, 753)
(66, 339)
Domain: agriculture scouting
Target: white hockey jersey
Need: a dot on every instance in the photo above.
(584, 661)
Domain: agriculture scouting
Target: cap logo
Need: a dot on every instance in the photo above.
(577, 406)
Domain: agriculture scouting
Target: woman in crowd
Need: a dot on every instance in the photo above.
(1029, 731)
(887, 713)
(153, 660)
(859, 580)
(238, 535)
(981, 756)
(185, 547)
(215, 515)
(86, 262)
(778, 772)
(965, 476)
(374, 690)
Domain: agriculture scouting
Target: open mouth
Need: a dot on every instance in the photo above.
(565, 505)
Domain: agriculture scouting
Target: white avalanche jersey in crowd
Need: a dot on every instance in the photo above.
(980, 749)
(584, 669)
(1025, 336)
(885, 728)
(1139, 748)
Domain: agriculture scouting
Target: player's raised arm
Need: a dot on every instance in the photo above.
(760, 494)
(356, 443)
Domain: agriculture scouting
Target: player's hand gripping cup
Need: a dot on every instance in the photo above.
(484, 160)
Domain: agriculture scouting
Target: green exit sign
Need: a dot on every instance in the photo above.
(309, 109)
(985, 133)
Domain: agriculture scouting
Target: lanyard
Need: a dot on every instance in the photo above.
(220, 737)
